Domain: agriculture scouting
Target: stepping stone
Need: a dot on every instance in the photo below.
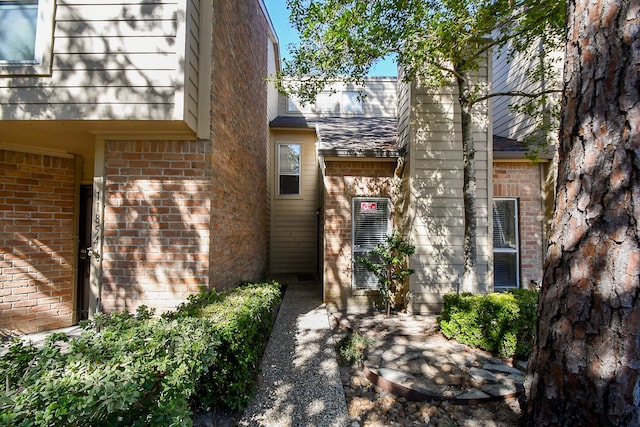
(395, 376)
(461, 359)
(503, 389)
(472, 393)
(501, 368)
(481, 375)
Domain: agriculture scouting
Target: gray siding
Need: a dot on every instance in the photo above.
(510, 75)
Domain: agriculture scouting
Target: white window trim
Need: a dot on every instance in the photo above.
(516, 250)
(41, 64)
(288, 196)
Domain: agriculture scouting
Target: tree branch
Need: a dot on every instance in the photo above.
(517, 93)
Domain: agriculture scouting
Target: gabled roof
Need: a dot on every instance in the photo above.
(348, 136)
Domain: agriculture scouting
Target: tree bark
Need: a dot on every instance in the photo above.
(470, 273)
(585, 365)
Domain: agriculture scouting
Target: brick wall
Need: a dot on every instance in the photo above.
(522, 180)
(156, 223)
(344, 180)
(239, 137)
(36, 241)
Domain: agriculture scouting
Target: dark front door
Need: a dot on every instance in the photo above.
(84, 252)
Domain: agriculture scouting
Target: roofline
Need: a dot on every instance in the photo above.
(521, 155)
(344, 154)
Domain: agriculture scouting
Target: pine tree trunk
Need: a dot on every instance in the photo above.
(470, 273)
(585, 366)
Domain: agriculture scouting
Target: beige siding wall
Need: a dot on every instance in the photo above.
(436, 209)
(380, 100)
(293, 219)
(115, 60)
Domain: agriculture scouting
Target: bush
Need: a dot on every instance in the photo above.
(138, 370)
(351, 348)
(242, 321)
(503, 323)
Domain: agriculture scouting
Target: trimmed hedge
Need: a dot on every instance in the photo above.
(503, 323)
(143, 370)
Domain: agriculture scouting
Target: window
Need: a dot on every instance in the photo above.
(26, 34)
(289, 169)
(326, 103)
(505, 244)
(371, 225)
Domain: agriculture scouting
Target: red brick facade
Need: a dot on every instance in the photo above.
(36, 241)
(344, 180)
(522, 180)
(240, 132)
(156, 223)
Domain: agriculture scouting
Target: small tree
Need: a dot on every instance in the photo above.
(392, 270)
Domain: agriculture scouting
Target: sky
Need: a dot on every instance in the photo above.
(286, 34)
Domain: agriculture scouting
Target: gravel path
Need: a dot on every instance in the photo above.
(300, 381)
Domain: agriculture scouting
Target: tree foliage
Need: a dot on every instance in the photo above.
(435, 42)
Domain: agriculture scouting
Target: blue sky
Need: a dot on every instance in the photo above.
(280, 17)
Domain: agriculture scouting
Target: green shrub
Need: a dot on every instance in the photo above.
(502, 323)
(242, 321)
(140, 370)
(351, 348)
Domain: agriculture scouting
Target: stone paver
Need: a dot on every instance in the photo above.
(411, 359)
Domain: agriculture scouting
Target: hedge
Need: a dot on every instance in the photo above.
(503, 323)
(143, 370)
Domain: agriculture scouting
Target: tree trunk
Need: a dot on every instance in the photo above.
(585, 365)
(470, 274)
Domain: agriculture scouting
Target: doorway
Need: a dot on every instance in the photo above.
(371, 225)
(83, 290)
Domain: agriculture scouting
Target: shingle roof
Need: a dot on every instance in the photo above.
(377, 137)
(348, 136)
(506, 148)
(359, 137)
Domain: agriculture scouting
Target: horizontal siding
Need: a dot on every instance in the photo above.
(436, 192)
(380, 100)
(510, 75)
(111, 60)
(294, 224)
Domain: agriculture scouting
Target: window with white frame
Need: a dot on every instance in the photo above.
(289, 169)
(26, 36)
(506, 252)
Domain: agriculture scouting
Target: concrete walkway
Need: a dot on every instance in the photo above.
(299, 384)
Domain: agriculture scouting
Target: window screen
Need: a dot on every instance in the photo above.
(505, 244)
(370, 228)
(289, 169)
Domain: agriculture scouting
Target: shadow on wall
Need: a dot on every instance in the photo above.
(156, 242)
(432, 199)
(98, 70)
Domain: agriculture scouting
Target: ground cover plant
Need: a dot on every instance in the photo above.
(503, 323)
(141, 369)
